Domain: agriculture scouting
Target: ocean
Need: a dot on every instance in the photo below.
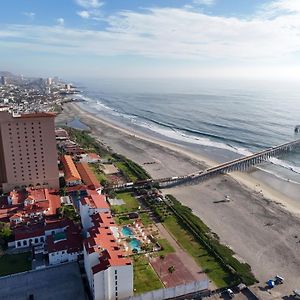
(222, 119)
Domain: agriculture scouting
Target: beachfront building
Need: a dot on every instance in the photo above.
(72, 176)
(109, 272)
(28, 155)
(88, 177)
(90, 205)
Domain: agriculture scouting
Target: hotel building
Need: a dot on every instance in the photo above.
(28, 156)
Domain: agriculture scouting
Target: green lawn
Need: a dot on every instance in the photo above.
(122, 167)
(166, 247)
(16, 263)
(131, 204)
(99, 175)
(146, 220)
(145, 279)
(123, 220)
(207, 262)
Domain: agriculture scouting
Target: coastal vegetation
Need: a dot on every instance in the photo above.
(217, 260)
(86, 141)
(99, 174)
(130, 169)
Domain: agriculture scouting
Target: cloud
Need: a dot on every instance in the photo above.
(60, 21)
(277, 8)
(83, 14)
(171, 34)
(204, 2)
(93, 14)
(29, 15)
(89, 3)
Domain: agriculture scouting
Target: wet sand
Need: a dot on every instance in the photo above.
(262, 228)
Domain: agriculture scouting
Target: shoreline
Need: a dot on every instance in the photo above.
(254, 226)
(244, 179)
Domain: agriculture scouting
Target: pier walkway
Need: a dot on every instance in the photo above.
(239, 164)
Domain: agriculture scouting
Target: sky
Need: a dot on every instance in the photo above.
(213, 39)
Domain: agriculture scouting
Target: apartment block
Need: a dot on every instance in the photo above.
(28, 156)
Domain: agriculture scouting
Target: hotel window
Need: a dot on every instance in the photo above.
(24, 243)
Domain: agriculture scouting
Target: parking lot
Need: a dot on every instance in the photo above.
(61, 282)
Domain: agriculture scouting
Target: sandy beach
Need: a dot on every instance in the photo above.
(259, 223)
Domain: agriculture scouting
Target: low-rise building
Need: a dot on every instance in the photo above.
(90, 158)
(72, 176)
(88, 177)
(64, 246)
(92, 204)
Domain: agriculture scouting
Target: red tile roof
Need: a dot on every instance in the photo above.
(45, 199)
(55, 223)
(18, 197)
(102, 240)
(95, 201)
(26, 232)
(71, 173)
(80, 187)
(72, 242)
(88, 176)
(54, 201)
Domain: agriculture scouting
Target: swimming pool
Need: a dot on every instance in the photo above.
(126, 231)
(135, 244)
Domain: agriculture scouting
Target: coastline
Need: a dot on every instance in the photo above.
(243, 178)
(255, 226)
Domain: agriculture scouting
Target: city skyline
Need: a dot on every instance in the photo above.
(82, 39)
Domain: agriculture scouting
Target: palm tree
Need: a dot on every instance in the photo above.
(171, 269)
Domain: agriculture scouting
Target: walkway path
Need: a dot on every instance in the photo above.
(184, 257)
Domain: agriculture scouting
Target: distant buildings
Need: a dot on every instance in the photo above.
(28, 155)
(3, 80)
(49, 81)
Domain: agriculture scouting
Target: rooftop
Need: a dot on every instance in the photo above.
(103, 242)
(88, 176)
(95, 201)
(70, 240)
(38, 115)
(71, 172)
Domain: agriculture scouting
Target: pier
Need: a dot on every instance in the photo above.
(239, 164)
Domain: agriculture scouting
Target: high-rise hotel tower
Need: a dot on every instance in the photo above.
(28, 155)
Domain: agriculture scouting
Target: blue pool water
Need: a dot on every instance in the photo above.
(135, 244)
(126, 231)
